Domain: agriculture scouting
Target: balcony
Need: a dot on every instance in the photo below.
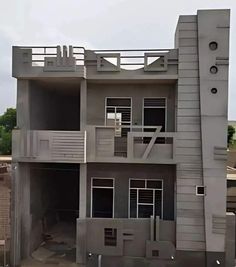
(130, 144)
(49, 146)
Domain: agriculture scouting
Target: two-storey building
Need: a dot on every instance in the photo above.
(126, 146)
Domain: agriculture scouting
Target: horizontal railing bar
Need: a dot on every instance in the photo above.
(150, 134)
(24, 47)
(127, 126)
(37, 60)
(131, 64)
(130, 50)
(131, 56)
(44, 54)
(42, 60)
(102, 50)
(78, 47)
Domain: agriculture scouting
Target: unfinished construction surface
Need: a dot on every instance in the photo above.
(120, 155)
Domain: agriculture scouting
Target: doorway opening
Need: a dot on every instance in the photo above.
(154, 114)
(54, 210)
(102, 198)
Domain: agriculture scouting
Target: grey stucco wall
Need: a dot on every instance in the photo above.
(190, 229)
(54, 106)
(214, 25)
(122, 173)
(98, 92)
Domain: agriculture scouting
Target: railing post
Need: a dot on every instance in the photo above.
(130, 146)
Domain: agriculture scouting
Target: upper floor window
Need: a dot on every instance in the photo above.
(118, 113)
(145, 198)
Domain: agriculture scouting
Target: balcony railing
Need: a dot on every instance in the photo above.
(49, 146)
(136, 144)
(132, 59)
(150, 60)
(79, 62)
(40, 53)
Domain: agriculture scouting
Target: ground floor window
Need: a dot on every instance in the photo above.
(145, 198)
(102, 198)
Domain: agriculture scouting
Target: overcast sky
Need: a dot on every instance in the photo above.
(99, 24)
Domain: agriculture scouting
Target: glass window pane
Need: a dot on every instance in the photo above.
(145, 196)
(110, 237)
(137, 183)
(154, 184)
(103, 182)
(125, 102)
(158, 203)
(110, 110)
(145, 211)
(133, 203)
(154, 102)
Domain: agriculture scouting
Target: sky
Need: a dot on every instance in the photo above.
(98, 24)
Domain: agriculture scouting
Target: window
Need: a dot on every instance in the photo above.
(102, 198)
(118, 113)
(200, 190)
(145, 198)
(155, 253)
(110, 237)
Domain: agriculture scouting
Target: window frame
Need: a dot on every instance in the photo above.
(204, 189)
(103, 187)
(116, 97)
(146, 188)
(166, 104)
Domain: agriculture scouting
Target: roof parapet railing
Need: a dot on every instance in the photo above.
(133, 58)
(40, 52)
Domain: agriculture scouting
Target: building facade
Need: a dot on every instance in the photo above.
(128, 146)
(5, 200)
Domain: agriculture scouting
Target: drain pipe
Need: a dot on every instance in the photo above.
(99, 260)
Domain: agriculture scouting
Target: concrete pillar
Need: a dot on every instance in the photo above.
(26, 216)
(83, 191)
(83, 104)
(81, 247)
(15, 247)
(23, 104)
(81, 227)
(81, 244)
(20, 213)
(20, 200)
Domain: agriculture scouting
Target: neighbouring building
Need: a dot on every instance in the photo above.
(122, 153)
(5, 201)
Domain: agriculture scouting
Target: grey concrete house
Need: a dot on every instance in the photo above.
(128, 147)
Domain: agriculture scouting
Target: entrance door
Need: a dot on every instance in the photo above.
(102, 198)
